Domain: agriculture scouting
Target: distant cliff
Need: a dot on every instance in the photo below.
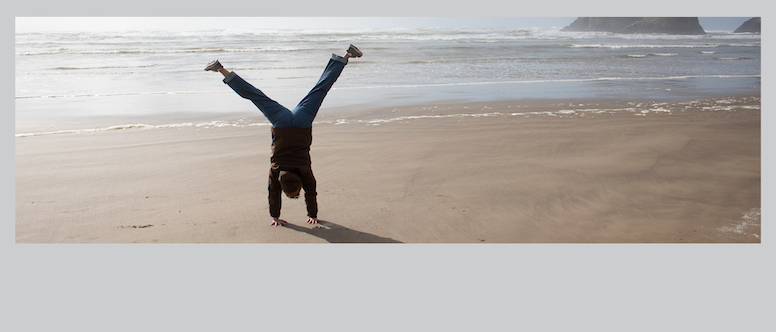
(667, 25)
(752, 25)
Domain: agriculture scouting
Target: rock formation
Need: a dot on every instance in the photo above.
(752, 25)
(667, 25)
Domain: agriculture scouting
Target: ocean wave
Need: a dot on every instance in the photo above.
(285, 36)
(241, 123)
(96, 130)
(637, 109)
(103, 67)
(158, 51)
(412, 117)
(735, 58)
(650, 54)
(630, 46)
(640, 109)
(395, 86)
(545, 81)
(117, 94)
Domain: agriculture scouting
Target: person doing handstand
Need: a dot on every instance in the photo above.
(290, 170)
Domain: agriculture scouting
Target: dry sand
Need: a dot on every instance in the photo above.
(468, 173)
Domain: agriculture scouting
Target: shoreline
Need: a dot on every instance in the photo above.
(71, 125)
(500, 172)
(39, 115)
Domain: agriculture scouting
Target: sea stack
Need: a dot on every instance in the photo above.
(630, 25)
(751, 25)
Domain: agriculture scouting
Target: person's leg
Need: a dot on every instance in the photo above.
(277, 114)
(305, 112)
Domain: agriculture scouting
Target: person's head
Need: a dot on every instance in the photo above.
(290, 183)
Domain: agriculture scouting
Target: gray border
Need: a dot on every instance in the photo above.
(386, 287)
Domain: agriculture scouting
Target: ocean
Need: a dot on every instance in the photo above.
(65, 79)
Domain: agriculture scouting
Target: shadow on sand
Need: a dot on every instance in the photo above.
(334, 233)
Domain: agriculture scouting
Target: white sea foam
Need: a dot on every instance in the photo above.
(68, 51)
(638, 109)
(735, 58)
(653, 46)
(116, 94)
(240, 123)
(548, 80)
(412, 117)
(749, 224)
(383, 87)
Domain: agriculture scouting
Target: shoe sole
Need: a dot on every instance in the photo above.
(355, 52)
(214, 66)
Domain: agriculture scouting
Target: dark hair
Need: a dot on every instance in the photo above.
(290, 183)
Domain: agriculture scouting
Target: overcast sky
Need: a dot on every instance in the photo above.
(43, 24)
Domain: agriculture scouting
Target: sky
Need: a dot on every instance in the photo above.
(51, 24)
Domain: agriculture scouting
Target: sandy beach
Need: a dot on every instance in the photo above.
(499, 172)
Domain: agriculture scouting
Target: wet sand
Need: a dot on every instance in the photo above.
(499, 172)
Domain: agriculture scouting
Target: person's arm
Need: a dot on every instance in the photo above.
(310, 196)
(274, 198)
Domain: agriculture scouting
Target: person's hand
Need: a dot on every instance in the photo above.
(312, 220)
(278, 222)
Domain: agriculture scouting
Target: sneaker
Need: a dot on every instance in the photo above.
(354, 52)
(214, 66)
